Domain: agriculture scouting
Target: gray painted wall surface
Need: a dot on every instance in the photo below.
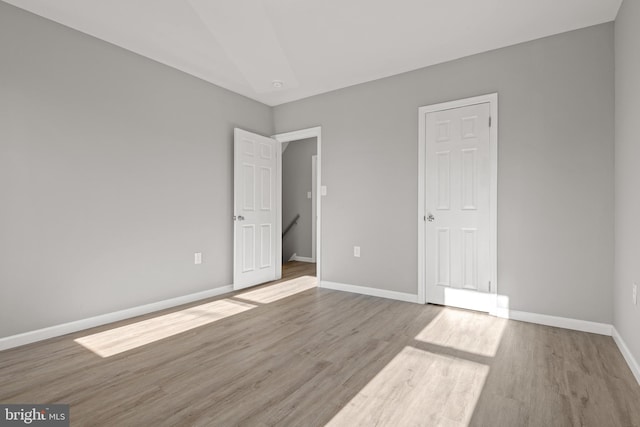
(114, 170)
(555, 204)
(627, 177)
(296, 182)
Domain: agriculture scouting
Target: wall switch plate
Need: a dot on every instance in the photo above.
(356, 251)
(323, 190)
(635, 294)
(197, 258)
(308, 194)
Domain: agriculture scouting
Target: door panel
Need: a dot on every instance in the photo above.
(443, 254)
(255, 215)
(248, 240)
(458, 183)
(266, 255)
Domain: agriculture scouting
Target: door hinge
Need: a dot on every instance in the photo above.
(489, 121)
(489, 285)
(424, 218)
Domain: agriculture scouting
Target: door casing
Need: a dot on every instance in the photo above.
(315, 132)
(492, 99)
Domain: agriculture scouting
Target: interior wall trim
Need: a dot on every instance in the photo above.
(626, 353)
(103, 319)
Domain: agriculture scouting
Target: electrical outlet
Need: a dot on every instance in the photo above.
(197, 258)
(635, 294)
(356, 251)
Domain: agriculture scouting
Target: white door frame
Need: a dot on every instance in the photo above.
(492, 99)
(297, 135)
(314, 208)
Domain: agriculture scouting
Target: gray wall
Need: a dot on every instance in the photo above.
(296, 182)
(627, 177)
(114, 170)
(555, 204)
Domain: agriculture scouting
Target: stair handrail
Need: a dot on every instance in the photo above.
(291, 224)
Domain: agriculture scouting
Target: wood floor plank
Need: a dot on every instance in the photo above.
(302, 356)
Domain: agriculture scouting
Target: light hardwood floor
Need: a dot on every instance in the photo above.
(290, 354)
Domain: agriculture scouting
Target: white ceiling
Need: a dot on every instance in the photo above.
(315, 46)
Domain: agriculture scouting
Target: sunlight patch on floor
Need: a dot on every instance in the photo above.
(280, 290)
(121, 339)
(468, 331)
(417, 388)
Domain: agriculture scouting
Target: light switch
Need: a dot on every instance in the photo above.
(197, 258)
(323, 190)
(308, 194)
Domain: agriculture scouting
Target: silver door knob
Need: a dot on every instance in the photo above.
(431, 218)
(238, 218)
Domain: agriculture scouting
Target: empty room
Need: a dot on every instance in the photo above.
(298, 213)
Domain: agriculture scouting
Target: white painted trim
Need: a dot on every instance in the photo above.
(278, 257)
(363, 290)
(626, 353)
(422, 209)
(492, 99)
(315, 132)
(540, 319)
(576, 325)
(103, 319)
(301, 258)
(314, 210)
(295, 257)
(558, 322)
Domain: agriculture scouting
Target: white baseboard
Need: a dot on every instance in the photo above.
(295, 257)
(382, 293)
(523, 316)
(103, 319)
(577, 325)
(626, 353)
(559, 322)
(542, 319)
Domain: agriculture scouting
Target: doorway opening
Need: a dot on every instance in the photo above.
(258, 206)
(300, 200)
(299, 159)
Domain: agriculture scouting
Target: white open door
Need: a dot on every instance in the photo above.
(458, 206)
(256, 160)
